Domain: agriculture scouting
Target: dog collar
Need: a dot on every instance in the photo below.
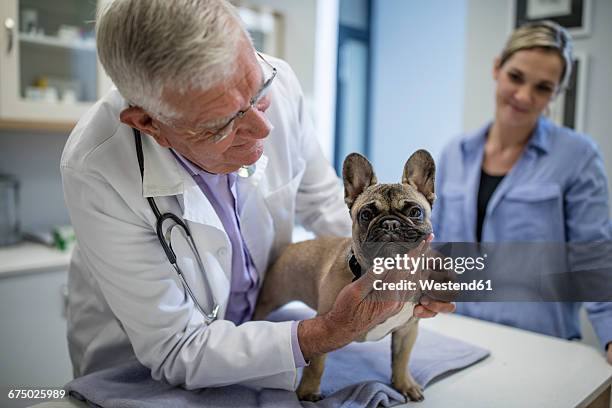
(354, 265)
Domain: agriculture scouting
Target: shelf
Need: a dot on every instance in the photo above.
(68, 44)
(37, 126)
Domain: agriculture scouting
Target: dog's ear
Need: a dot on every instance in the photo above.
(358, 174)
(420, 173)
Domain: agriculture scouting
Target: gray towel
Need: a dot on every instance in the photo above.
(355, 376)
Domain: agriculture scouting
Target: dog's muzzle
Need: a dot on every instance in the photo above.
(394, 229)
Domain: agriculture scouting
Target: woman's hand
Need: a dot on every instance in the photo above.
(430, 308)
(609, 353)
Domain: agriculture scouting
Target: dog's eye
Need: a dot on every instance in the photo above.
(415, 212)
(366, 215)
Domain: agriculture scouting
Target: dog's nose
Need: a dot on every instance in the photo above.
(391, 225)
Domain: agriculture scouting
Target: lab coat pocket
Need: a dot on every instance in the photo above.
(281, 204)
(531, 212)
(452, 225)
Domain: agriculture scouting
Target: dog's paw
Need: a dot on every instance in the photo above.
(312, 397)
(410, 390)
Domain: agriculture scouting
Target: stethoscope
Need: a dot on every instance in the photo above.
(165, 241)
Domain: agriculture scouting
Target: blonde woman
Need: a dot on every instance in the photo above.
(523, 178)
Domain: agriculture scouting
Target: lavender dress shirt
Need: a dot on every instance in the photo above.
(220, 189)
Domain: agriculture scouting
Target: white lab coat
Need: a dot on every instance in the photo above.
(125, 298)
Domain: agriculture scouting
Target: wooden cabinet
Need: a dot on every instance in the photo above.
(49, 71)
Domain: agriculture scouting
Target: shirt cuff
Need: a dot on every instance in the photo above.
(298, 357)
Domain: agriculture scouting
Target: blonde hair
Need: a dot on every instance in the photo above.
(146, 46)
(546, 35)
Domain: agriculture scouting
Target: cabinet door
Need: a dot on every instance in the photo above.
(33, 344)
(49, 71)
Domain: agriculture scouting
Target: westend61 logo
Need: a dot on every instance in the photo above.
(412, 264)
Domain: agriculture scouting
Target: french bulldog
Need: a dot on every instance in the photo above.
(387, 219)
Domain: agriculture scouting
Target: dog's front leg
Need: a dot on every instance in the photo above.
(402, 342)
(309, 389)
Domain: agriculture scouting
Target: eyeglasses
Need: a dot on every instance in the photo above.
(225, 130)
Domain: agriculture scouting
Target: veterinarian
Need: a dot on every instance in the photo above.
(182, 184)
(523, 178)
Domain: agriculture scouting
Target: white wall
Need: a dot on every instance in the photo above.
(489, 24)
(418, 76)
(299, 17)
(326, 51)
(34, 158)
(310, 38)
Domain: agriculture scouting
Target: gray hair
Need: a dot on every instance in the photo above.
(146, 46)
(546, 35)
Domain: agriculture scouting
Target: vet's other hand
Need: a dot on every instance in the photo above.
(609, 353)
(430, 308)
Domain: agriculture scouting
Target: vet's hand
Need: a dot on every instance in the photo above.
(357, 309)
(609, 353)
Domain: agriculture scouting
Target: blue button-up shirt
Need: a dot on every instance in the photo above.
(556, 192)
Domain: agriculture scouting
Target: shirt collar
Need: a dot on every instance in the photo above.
(191, 167)
(539, 140)
(196, 171)
(541, 135)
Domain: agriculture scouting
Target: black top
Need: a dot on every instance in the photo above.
(487, 186)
